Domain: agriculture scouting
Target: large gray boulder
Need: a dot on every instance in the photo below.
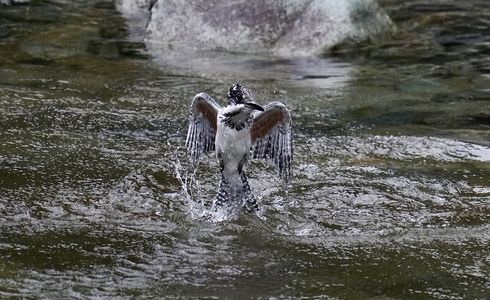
(282, 27)
(137, 14)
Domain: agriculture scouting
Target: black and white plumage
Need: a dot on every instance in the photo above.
(236, 132)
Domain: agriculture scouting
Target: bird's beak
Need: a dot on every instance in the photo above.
(253, 106)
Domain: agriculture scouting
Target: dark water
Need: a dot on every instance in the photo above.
(391, 194)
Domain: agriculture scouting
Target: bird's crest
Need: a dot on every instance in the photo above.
(239, 94)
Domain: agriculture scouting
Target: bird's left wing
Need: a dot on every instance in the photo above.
(272, 137)
(202, 125)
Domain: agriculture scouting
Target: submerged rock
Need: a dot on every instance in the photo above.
(284, 27)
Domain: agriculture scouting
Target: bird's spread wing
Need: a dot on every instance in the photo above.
(202, 125)
(272, 137)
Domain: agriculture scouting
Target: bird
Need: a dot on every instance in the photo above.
(236, 132)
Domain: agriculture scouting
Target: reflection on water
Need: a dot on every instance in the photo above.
(391, 192)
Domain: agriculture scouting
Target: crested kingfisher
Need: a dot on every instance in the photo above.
(240, 130)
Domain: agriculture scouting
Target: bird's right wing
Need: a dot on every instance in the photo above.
(272, 137)
(202, 125)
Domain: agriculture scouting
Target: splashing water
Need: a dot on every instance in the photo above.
(197, 198)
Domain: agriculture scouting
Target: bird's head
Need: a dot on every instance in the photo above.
(241, 105)
(239, 94)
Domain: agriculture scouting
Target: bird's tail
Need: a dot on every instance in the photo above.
(240, 194)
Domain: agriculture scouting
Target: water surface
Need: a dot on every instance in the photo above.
(391, 189)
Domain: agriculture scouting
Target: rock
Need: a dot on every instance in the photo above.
(137, 13)
(135, 7)
(12, 2)
(4, 31)
(286, 28)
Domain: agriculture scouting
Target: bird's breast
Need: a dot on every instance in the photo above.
(232, 144)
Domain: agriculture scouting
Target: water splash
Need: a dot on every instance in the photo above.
(199, 188)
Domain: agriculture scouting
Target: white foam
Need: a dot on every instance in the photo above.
(403, 148)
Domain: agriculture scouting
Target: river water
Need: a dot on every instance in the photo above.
(391, 191)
